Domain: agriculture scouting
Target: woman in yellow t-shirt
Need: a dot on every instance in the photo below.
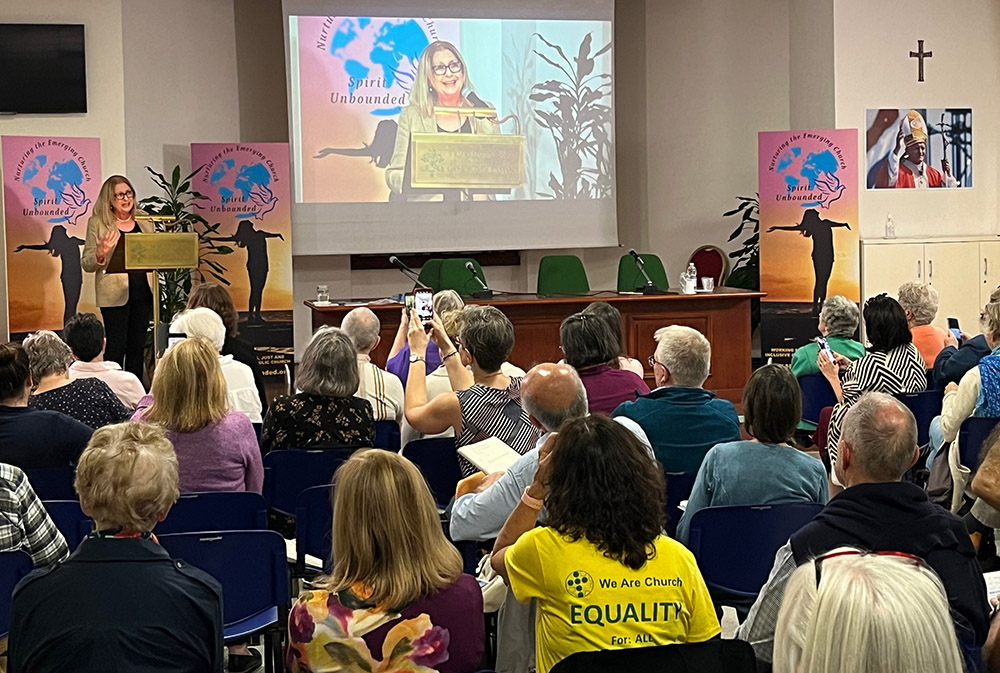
(604, 574)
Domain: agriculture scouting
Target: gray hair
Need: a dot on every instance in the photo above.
(329, 365)
(362, 326)
(47, 354)
(882, 434)
(201, 322)
(989, 320)
(840, 315)
(488, 335)
(919, 299)
(552, 419)
(685, 353)
(447, 300)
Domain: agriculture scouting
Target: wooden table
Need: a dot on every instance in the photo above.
(722, 315)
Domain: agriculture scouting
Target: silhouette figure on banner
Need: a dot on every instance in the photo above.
(255, 242)
(67, 249)
(821, 232)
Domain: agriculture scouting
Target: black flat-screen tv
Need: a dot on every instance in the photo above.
(43, 68)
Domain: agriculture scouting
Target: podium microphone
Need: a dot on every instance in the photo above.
(405, 270)
(484, 292)
(480, 103)
(648, 288)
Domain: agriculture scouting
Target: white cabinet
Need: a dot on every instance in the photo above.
(886, 267)
(953, 270)
(989, 267)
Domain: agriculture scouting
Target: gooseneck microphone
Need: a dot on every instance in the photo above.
(405, 270)
(484, 292)
(480, 103)
(649, 287)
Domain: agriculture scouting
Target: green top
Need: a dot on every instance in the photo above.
(804, 359)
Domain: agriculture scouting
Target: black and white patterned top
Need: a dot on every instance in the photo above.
(88, 400)
(492, 412)
(901, 370)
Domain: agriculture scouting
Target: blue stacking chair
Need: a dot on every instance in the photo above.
(53, 483)
(711, 656)
(925, 406)
(290, 471)
(13, 566)
(971, 435)
(252, 569)
(437, 460)
(313, 527)
(679, 485)
(735, 545)
(70, 520)
(387, 435)
(816, 394)
(220, 510)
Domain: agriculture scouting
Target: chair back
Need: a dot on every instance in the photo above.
(313, 526)
(437, 460)
(454, 276)
(679, 485)
(430, 274)
(816, 394)
(288, 472)
(387, 435)
(925, 406)
(735, 545)
(53, 483)
(70, 520)
(710, 656)
(249, 564)
(220, 510)
(630, 278)
(971, 435)
(562, 274)
(13, 566)
(711, 262)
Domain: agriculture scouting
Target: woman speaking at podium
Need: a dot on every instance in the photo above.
(125, 299)
(442, 80)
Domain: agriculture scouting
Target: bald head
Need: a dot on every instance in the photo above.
(362, 325)
(553, 393)
(880, 435)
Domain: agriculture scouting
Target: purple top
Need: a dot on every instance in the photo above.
(607, 387)
(222, 456)
(399, 364)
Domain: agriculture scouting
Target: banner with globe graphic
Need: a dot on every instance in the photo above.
(50, 185)
(248, 206)
(809, 249)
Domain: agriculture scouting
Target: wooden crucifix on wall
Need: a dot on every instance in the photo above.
(921, 55)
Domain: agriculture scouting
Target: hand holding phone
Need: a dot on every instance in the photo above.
(954, 329)
(824, 346)
(423, 304)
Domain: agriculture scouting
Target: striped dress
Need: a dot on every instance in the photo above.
(491, 412)
(901, 370)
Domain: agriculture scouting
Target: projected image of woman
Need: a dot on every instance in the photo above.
(442, 80)
(67, 248)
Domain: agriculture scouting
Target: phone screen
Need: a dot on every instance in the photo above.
(824, 346)
(423, 304)
(408, 301)
(174, 338)
(957, 332)
(953, 323)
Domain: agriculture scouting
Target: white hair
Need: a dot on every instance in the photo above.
(919, 299)
(201, 322)
(362, 325)
(878, 614)
(686, 354)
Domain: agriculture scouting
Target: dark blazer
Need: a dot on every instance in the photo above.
(952, 363)
(117, 605)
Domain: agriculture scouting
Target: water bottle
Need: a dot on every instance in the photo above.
(890, 228)
(689, 279)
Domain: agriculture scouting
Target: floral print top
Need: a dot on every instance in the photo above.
(440, 633)
(305, 420)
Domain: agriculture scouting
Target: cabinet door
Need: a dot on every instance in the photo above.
(886, 267)
(953, 269)
(989, 269)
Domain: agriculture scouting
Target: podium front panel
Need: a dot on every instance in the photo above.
(165, 250)
(466, 161)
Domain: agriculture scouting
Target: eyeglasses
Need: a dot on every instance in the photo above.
(441, 68)
(818, 562)
(121, 196)
(653, 361)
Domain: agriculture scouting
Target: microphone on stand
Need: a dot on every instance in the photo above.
(405, 270)
(484, 292)
(480, 103)
(649, 287)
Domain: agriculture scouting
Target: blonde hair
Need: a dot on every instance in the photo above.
(47, 354)
(878, 614)
(447, 300)
(105, 199)
(127, 476)
(189, 390)
(452, 321)
(422, 96)
(387, 532)
(685, 353)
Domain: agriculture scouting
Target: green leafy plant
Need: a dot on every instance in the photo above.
(746, 268)
(577, 113)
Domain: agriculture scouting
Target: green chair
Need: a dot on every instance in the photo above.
(430, 274)
(454, 276)
(630, 278)
(562, 274)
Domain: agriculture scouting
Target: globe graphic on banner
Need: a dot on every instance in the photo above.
(58, 183)
(819, 172)
(252, 182)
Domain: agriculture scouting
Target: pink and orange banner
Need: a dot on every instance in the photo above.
(809, 245)
(50, 185)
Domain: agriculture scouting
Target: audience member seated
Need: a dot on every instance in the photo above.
(854, 611)
(589, 346)
(954, 360)
(892, 365)
(486, 402)
(838, 322)
(240, 388)
(601, 557)
(383, 390)
(119, 602)
(84, 334)
(984, 515)
(215, 297)
(89, 400)
(25, 524)
(32, 438)
(612, 317)
(681, 419)
(216, 447)
(398, 361)
(876, 511)
(397, 592)
(920, 302)
(768, 469)
(325, 414)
